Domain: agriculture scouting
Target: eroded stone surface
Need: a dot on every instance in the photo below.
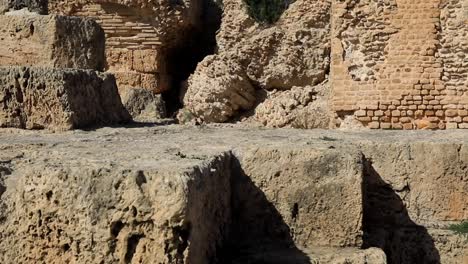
(300, 107)
(182, 197)
(140, 34)
(36, 6)
(58, 99)
(46, 41)
(144, 105)
(316, 192)
(292, 53)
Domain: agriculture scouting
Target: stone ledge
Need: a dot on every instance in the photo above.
(58, 99)
(35, 40)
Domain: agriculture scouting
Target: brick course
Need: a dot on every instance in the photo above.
(405, 63)
(138, 36)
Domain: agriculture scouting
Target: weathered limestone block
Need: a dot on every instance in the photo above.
(316, 255)
(300, 107)
(70, 209)
(78, 198)
(52, 41)
(312, 196)
(349, 255)
(58, 99)
(290, 53)
(36, 6)
(416, 171)
(144, 105)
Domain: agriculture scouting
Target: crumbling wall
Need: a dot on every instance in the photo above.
(253, 60)
(414, 77)
(139, 34)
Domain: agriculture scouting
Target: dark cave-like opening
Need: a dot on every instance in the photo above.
(183, 59)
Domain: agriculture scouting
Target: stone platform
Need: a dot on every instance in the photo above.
(226, 194)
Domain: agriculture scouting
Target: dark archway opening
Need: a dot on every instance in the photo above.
(183, 59)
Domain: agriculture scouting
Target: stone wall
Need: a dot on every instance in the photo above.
(138, 36)
(400, 64)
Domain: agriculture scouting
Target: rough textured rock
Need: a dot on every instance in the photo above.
(300, 107)
(77, 197)
(58, 99)
(316, 192)
(32, 40)
(292, 53)
(405, 203)
(348, 255)
(144, 105)
(229, 92)
(313, 256)
(144, 216)
(140, 36)
(390, 64)
(36, 6)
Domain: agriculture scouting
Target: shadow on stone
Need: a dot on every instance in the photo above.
(388, 226)
(258, 233)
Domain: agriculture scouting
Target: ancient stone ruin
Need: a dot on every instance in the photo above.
(108, 153)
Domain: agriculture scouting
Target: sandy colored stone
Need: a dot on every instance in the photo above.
(76, 196)
(141, 35)
(58, 99)
(288, 54)
(36, 6)
(316, 192)
(33, 40)
(144, 105)
(223, 90)
(300, 107)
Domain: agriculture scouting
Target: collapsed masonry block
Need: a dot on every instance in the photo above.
(58, 99)
(52, 41)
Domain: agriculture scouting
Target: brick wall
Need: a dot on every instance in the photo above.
(137, 37)
(400, 64)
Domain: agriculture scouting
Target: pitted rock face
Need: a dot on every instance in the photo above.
(139, 35)
(36, 6)
(58, 99)
(47, 41)
(293, 52)
(144, 105)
